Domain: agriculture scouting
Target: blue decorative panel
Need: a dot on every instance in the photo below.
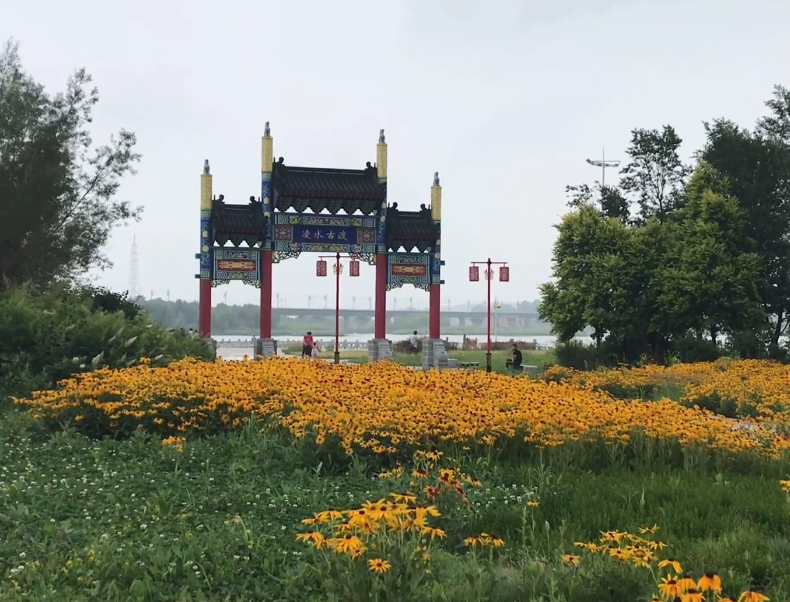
(205, 242)
(381, 228)
(436, 256)
(231, 264)
(337, 221)
(408, 268)
(297, 233)
(266, 200)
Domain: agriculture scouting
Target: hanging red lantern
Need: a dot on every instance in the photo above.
(353, 267)
(320, 268)
(474, 273)
(504, 274)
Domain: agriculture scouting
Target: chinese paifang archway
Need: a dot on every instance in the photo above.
(244, 241)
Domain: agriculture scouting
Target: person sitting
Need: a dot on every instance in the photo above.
(414, 343)
(517, 358)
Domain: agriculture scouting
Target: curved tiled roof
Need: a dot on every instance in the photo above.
(410, 230)
(316, 189)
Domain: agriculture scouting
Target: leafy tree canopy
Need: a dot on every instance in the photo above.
(678, 253)
(58, 190)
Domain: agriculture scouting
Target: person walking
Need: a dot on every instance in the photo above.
(307, 345)
(414, 343)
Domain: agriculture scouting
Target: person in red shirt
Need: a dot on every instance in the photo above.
(307, 344)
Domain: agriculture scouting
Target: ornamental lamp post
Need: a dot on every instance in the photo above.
(474, 276)
(321, 271)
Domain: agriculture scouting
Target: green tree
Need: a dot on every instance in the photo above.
(587, 260)
(708, 283)
(655, 175)
(58, 191)
(757, 169)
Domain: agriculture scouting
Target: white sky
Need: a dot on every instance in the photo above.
(505, 98)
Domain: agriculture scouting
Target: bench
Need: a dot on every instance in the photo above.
(469, 364)
(529, 368)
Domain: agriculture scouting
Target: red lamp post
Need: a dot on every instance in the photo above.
(474, 276)
(321, 271)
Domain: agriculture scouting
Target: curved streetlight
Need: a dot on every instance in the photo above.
(603, 164)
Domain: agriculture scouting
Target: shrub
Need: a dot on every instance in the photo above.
(45, 338)
(577, 355)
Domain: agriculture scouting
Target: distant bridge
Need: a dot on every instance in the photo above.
(504, 318)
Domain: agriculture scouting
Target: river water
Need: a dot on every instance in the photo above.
(237, 352)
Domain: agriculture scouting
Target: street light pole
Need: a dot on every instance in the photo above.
(603, 164)
(474, 276)
(338, 269)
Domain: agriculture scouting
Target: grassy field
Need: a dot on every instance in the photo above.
(221, 517)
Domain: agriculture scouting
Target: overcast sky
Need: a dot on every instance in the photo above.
(504, 98)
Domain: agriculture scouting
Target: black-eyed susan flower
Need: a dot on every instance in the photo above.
(686, 583)
(496, 541)
(328, 515)
(692, 595)
(379, 565)
(346, 544)
(669, 587)
(313, 537)
(752, 595)
(434, 532)
(710, 581)
(403, 498)
(672, 564)
(571, 559)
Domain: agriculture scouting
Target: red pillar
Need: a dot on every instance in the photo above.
(266, 294)
(204, 308)
(380, 320)
(434, 312)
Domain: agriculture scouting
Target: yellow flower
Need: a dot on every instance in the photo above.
(361, 406)
(346, 544)
(434, 532)
(571, 559)
(672, 564)
(692, 595)
(752, 595)
(669, 587)
(313, 537)
(378, 565)
(710, 582)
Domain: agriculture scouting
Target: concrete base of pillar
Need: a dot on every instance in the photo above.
(434, 354)
(379, 349)
(266, 348)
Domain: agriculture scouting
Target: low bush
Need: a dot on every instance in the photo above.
(45, 338)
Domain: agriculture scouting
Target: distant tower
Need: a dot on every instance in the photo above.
(134, 271)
